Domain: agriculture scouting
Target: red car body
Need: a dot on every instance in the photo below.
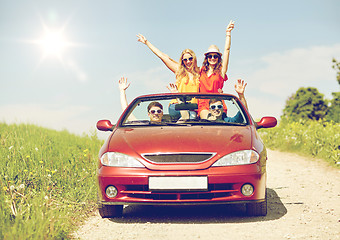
(175, 155)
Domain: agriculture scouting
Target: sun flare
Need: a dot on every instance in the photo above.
(53, 43)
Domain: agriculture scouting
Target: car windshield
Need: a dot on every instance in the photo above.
(182, 110)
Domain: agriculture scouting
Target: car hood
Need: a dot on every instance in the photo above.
(194, 139)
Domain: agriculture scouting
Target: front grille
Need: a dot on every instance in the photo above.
(178, 157)
(211, 187)
(215, 191)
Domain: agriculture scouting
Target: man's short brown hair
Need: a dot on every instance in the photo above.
(154, 104)
(213, 100)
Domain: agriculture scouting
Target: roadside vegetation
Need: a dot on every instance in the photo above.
(47, 181)
(319, 139)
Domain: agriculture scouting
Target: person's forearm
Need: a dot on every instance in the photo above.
(123, 100)
(243, 100)
(227, 42)
(171, 64)
(155, 50)
(226, 54)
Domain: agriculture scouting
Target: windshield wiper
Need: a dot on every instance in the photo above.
(136, 123)
(169, 124)
(208, 122)
(177, 124)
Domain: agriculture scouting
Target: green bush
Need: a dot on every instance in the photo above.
(306, 103)
(315, 138)
(47, 181)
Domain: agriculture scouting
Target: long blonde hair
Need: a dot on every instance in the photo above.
(183, 72)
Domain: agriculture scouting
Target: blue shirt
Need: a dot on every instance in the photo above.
(237, 118)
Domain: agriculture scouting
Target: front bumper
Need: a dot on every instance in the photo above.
(224, 186)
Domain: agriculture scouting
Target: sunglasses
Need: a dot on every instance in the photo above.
(216, 56)
(187, 59)
(154, 111)
(219, 106)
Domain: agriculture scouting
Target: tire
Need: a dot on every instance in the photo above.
(110, 211)
(257, 209)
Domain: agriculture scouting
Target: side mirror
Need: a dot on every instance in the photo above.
(105, 125)
(266, 122)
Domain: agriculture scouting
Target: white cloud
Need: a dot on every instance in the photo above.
(281, 74)
(286, 72)
(259, 108)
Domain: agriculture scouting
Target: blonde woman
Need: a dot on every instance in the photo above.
(186, 71)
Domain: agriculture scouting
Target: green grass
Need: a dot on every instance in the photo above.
(312, 138)
(47, 181)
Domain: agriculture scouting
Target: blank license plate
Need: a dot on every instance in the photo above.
(178, 183)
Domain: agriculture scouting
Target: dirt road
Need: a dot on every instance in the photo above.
(303, 203)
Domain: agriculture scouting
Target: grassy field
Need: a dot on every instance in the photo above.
(47, 181)
(312, 138)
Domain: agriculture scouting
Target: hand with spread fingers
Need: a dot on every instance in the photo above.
(123, 84)
(240, 86)
(141, 38)
(172, 88)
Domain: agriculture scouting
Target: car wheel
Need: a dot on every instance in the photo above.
(257, 209)
(110, 211)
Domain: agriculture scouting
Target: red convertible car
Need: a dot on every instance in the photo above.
(161, 156)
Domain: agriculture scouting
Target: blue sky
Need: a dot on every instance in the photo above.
(277, 47)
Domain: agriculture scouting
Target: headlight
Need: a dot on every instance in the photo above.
(237, 158)
(115, 159)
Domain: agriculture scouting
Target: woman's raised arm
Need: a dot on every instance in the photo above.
(170, 63)
(226, 53)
